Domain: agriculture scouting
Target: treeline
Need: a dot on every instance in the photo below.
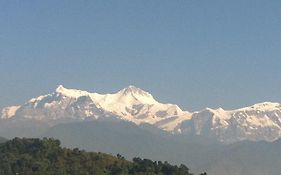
(46, 157)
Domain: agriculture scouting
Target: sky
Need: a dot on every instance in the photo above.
(195, 53)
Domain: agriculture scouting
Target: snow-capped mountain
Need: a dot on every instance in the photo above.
(9, 112)
(258, 122)
(130, 104)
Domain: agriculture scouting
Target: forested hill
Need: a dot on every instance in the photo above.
(46, 157)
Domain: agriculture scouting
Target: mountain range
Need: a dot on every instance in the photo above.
(259, 122)
(133, 123)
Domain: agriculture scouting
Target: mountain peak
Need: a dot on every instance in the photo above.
(132, 87)
(74, 93)
(60, 88)
(265, 106)
(257, 122)
(134, 90)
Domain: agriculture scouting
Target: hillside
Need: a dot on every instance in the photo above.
(200, 154)
(248, 158)
(46, 157)
(132, 141)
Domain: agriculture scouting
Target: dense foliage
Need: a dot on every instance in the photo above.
(46, 157)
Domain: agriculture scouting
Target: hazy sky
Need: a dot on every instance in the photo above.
(196, 53)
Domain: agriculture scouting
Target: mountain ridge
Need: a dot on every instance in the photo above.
(261, 121)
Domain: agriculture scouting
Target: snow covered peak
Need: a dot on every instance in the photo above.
(130, 104)
(265, 106)
(261, 121)
(131, 88)
(62, 90)
(132, 92)
(9, 112)
(74, 93)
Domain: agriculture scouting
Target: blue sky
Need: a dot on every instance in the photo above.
(196, 53)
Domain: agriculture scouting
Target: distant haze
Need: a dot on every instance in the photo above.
(193, 53)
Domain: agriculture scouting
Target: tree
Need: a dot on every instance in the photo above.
(46, 157)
